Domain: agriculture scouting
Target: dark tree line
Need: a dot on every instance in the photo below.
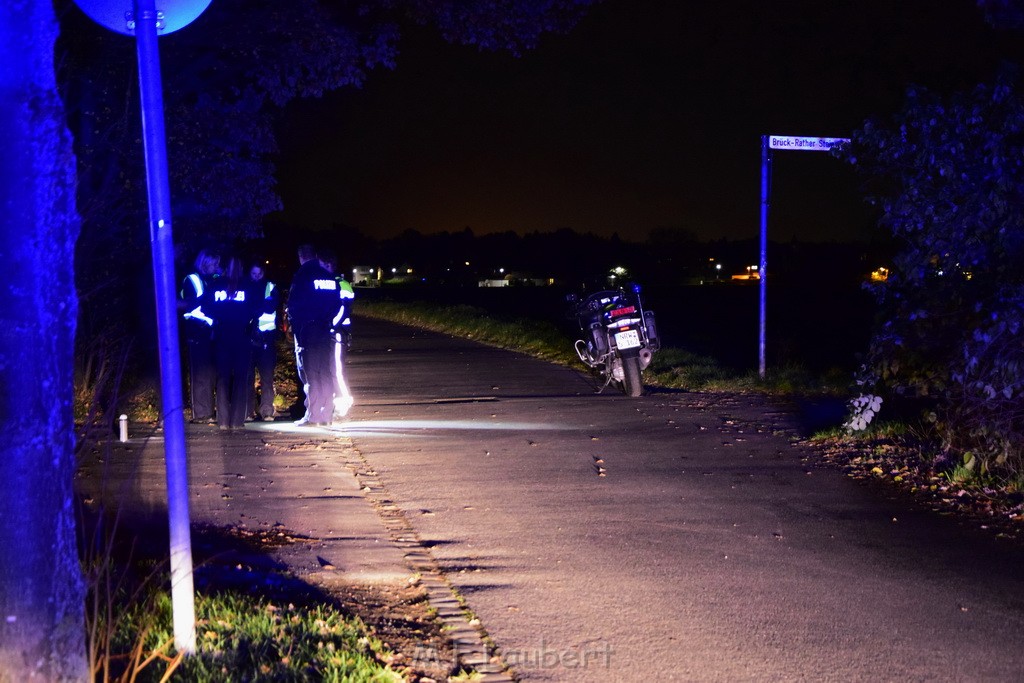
(672, 257)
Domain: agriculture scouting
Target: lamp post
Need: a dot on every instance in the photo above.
(141, 19)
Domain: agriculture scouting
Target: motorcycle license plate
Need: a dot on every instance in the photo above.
(627, 339)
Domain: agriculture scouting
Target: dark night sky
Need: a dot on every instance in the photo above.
(648, 114)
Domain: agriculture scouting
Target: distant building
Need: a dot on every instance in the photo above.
(751, 274)
(516, 280)
(367, 276)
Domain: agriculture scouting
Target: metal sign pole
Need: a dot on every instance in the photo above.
(766, 161)
(768, 143)
(139, 18)
(158, 187)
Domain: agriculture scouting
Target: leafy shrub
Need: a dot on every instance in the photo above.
(948, 176)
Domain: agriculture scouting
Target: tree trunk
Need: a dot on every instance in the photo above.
(42, 624)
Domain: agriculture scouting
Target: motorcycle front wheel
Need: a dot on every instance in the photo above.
(631, 384)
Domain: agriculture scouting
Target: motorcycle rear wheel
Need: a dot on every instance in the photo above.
(632, 385)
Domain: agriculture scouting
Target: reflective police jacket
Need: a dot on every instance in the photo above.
(234, 313)
(315, 306)
(347, 295)
(193, 288)
(266, 324)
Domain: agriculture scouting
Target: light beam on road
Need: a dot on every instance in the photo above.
(406, 427)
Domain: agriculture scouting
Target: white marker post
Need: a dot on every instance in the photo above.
(768, 143)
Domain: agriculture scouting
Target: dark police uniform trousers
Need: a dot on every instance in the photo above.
(314, 354)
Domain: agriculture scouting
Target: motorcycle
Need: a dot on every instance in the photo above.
(619, 336)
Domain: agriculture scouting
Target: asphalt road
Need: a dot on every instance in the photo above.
(677, 536)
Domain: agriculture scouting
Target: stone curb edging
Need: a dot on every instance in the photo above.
(473, 649)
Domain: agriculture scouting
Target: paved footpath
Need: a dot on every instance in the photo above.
(674, 537)
(308, 484)
(599, 538)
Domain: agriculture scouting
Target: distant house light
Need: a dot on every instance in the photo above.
(751, 274)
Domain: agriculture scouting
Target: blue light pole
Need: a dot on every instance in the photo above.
(762, 272)
(144, 20)
(158, 189)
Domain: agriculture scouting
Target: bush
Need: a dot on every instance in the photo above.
(949, 179)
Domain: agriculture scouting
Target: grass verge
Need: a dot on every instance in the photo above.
(671, 368)
(254, 621)
(242, 637)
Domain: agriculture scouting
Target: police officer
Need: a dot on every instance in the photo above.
(234, 307)
(264, 340)
(198, 328)
(314, 308)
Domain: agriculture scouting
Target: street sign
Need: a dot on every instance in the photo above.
(796, 143)
(768, 143)
(118, 15)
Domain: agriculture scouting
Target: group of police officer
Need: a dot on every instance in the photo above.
(230, 328)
